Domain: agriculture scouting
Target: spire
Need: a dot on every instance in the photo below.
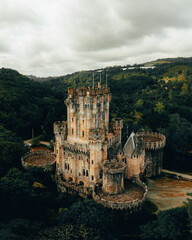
(100, 78)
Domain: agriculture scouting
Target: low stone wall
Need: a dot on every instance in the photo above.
(133, 206)
(48, 166)
(153, 145)
(64, 185)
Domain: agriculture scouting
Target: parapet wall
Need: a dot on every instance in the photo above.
(64, 185)
(83, 91)
(152, 140)
(77, 147)
(133, 206)
(47, 165)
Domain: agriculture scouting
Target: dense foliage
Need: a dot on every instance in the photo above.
(158, 99)
(26, 105)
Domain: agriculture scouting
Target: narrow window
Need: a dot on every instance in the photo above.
(87, 174)
(83, 121)
(92, 177)
(83, 133)
(92, 161)
(68, 166)
(72, 119)
(72, 131)
(65, 165)
(83, 172)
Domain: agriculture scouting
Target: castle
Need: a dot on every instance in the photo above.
(90, 159)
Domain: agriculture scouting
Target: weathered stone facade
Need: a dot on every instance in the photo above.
(89, 156)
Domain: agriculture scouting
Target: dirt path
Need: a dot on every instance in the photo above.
(168, 193)
(185, 176)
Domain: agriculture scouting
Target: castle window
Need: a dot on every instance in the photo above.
(83, 121)
(68, 166)
(83, 172)
(87, 174)
(92, 177)
(92, 161)
(72, 131)
(65, 165)
(83, 133)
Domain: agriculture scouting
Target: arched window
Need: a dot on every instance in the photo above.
(87, 174)
(83, 172)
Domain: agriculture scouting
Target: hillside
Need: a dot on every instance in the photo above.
(26, 105)
(157, 98)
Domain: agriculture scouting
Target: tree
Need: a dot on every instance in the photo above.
(170, 224)
(11, 150)
(68, 232)
(87, 212)
(159, 107)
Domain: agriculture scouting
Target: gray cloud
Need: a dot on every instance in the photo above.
(57, 37)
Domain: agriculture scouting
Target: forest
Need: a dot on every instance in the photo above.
(155, 96)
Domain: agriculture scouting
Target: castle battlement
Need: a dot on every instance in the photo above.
(87, 91)
(77, 147)
(126, 200)
(152, 140)
(60, 127)
(40, 158)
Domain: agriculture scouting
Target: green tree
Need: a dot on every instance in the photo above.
(170, 224)
(159, 107)
(87, 212)
(184, 89)
(68, 232)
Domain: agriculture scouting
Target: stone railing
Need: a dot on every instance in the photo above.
(48, 166)
(133, 205)
(153, 144)
(77, 147)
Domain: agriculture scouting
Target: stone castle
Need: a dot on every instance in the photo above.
(88, 156)
(90, 159)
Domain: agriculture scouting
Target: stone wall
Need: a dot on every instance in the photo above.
(154, 144)
(48, 166)
(133, 206)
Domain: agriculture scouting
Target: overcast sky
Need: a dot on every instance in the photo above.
(56, 37)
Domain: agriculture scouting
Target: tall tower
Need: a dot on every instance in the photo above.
(87, 108)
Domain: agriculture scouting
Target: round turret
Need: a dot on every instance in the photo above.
(113, 177)
(154, 143)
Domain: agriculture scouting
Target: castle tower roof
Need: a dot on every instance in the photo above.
(132, 146)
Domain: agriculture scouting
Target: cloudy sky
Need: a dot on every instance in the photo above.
(56, 37)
